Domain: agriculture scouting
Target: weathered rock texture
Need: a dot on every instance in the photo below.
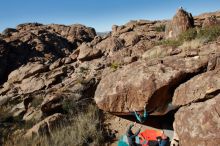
(199, 123)
(199, 20)
(181, 22)
(210, 21)
(199, 88)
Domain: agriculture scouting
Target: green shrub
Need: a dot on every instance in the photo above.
(160, 28)
(188, 35)
(209, 33)
(114, 66)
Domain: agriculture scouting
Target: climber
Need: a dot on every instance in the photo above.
(163, 140)
(131, 136)
(141, 118)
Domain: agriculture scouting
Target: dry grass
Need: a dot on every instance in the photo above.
(157, 52)
(192, 45)
(85, 129)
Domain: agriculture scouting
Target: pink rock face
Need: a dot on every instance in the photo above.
(199, 88)
(181, 22)
(140, 83)
(199, 123)
(134, 86)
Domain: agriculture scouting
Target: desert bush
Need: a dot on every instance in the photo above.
(203, 34)
(160, 28)
(114, 66)
(209, 33)
(188, 35)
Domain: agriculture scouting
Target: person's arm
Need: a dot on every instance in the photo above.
(129, 129)
(136, 134)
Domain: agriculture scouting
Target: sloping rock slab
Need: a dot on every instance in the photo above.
(199, 123)
(199, 88)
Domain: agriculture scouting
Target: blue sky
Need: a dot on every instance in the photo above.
(100, 14)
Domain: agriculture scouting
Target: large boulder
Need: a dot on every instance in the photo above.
(199, 123)
(181, 22)
(131, 38)
(26, 71)
(110, 45)
(87, 52)
(141, 83)
(199, 88)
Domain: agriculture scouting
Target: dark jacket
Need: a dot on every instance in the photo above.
(131, 136)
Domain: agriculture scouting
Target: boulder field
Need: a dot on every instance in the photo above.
(45, 67)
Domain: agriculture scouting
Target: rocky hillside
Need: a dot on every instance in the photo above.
(46, 71)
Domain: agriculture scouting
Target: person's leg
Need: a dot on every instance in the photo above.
(145, 114)
(137, 116)
(163, 142)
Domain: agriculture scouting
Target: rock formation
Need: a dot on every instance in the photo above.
(181, 22)
(44, 69)
(210, 21)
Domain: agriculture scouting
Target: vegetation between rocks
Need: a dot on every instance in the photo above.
(206, 34)
(160, 28)
(84, 128)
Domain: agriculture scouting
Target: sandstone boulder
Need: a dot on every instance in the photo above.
(199, 88)
(26, 71)
(181, 22)
(56, 64)
(199, 123)
(141, 83)
(87, 53)
(130, 38)
(110, 45)
(117, 30)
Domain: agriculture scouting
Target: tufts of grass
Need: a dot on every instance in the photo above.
(114, 66)
(85, 128)
(193, 44)
(169, 42)
(209, 33)
(188, 35)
